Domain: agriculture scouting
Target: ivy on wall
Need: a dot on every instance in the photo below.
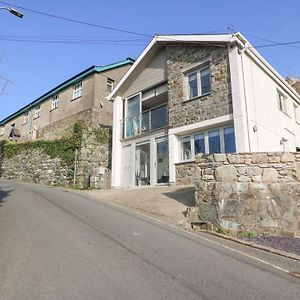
(63, 148)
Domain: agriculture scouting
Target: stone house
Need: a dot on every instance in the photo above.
(191, 94)
(81, 97)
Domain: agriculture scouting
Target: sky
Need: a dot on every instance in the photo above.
(38, 52)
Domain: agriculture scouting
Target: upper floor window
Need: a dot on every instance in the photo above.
(109, 85)
(297, 113)
(199, 83)
(55, 101)
(37, 112)
(26, 118)
(77, 90)
(1, 130)
(282, 103)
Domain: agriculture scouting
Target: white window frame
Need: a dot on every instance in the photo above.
(206, 142)
(77, 90)
(198, 72)
(55, 102)
(37, 111)
(109, 85)
(297, 113)
(282, 103)
(2, 130)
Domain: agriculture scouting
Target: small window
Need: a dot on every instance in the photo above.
(199, 83)
(186, 148)
(13, 125)
(297, 113)
(282, 103)
(26, 117)
(55, 102)
(37, 112)
(77, 90)
(1, 131)
(109, 85)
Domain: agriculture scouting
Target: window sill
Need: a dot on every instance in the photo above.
(196, 98)
(24, 123)
(75, 98)
(36, 118)
(54, 108)
(192, 160)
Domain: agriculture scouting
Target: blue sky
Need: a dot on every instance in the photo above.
(33, 67)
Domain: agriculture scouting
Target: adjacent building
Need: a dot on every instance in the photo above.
(192, 94)
(81, 97)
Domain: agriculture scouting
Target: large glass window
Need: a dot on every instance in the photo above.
(186, 148)
(221, 140)
(229, 140)
(214, 141)
(199, 141)
(132, 117)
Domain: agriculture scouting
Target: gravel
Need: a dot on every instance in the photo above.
(288, 244)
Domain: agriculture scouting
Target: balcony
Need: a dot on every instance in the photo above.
(149, 120)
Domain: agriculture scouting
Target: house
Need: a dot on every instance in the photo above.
(191, 94)
(81, 97)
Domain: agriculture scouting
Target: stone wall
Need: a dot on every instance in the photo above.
(185, 173)
(94, 159)
(216, 104)
(36, 166)
(258, 191)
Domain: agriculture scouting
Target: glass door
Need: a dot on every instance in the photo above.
(142, 163)
(162, 161)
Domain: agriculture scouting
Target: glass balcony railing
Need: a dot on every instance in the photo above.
(152, 119)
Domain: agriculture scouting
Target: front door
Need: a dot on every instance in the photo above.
(142, 163)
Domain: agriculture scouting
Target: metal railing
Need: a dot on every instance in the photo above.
(152, 119)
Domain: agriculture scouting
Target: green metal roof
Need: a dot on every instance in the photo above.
(67, 83)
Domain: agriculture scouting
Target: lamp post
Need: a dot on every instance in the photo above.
(13, 11)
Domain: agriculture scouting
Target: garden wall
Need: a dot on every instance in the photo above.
(250, 191)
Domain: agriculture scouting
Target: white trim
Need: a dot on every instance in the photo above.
(207, 123)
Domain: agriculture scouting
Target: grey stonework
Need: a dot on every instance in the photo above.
(93, 165)
(258, 191)
(216, 104)
(36, 166)
(185, 173)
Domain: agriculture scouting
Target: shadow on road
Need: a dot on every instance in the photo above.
(3, 195)
(184, 195)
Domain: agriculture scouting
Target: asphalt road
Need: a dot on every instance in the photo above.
(56, 244)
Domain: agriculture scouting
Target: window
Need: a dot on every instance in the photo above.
(297, 113)
(220, 140)
(77, 89)
(214, 142)
(109, 85)
(1, 131)
(37, 112)
(186, 148)
(199, 83)
(55, 101)
(199, 142)
(282, 103)
(26, 117)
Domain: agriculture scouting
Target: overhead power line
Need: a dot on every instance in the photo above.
(77, 21)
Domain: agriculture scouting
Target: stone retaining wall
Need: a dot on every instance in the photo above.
(251, 191)
(35, 166)
(185, 173)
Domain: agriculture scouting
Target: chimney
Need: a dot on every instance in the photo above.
(294, 82)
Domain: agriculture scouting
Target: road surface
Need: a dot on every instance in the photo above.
(55, 244)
